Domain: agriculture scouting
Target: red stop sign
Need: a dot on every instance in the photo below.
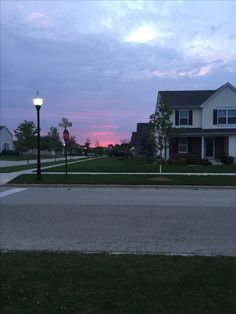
(66, 136)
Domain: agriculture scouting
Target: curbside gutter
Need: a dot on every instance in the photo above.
(53, 185)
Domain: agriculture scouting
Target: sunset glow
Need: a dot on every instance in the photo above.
(101, 63)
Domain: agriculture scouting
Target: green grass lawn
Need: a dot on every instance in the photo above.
(110, 284)
(110, 164)
(126, 180)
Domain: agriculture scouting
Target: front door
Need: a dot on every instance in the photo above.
(209, 147)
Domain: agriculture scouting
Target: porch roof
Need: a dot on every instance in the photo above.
(200, 132)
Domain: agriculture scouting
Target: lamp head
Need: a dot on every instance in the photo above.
(38, 101)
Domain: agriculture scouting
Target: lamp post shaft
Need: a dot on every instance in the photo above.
(66, 158)
(38, 156)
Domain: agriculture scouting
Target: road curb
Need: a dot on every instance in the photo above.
(120, 186)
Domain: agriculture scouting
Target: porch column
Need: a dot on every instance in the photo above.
(202, 147)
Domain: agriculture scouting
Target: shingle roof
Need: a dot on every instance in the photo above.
(188, 98)
(199, 131)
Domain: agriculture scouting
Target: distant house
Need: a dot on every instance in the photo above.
(204, 122)
(6, 139)
(139, 139)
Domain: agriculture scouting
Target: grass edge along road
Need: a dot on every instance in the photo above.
(72, 282)
(126, 179)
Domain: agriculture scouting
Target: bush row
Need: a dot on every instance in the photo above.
(228, 160)
(188, 161)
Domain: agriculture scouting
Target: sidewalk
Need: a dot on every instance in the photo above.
(10, 163)
(6, 177)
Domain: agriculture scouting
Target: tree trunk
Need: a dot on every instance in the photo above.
(160, 167)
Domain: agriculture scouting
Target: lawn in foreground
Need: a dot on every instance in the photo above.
(126, 179)
(111, 164)
(47, 282)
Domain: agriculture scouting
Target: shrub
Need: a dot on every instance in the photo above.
(9, 153)
(228, 160)
(198, 161)
(179, 161)
(205, 162)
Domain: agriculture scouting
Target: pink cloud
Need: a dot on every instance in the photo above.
(36, 16)
(114, 126)
(206, 69)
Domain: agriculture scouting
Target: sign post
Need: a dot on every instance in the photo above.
(66, 136)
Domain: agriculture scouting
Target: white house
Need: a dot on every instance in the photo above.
(6, 139)
(204, 122)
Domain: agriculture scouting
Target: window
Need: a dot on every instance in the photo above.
(183, 117)
(183, 145)
(222, 116)
(231, 116)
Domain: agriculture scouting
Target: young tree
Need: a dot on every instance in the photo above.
(97, 144)
(125, 145)
(72, 146)
(161, 128)
(25, 137)
(55, 141)
(45, 143)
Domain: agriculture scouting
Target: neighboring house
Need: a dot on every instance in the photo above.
(139, 138)
(204, 122)
(6, 139)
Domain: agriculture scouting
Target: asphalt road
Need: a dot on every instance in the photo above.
(165, 220)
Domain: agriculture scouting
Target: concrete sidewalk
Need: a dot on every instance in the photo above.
(6, 177)
(11, 163)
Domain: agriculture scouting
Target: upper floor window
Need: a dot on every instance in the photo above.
(183, 117)
(231, 116)
(221, 116)
(224, 116)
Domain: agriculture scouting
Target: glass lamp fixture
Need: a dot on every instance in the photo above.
(38, 101)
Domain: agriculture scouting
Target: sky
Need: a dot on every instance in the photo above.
(101, 63)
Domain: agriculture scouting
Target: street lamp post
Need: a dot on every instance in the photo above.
(38, 103)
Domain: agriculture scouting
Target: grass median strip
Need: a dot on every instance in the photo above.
(126, 179)
(34, 282)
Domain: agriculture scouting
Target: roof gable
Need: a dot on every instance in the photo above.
(4, 127)
(219, 90)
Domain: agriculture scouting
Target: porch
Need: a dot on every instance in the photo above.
(199, 147)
